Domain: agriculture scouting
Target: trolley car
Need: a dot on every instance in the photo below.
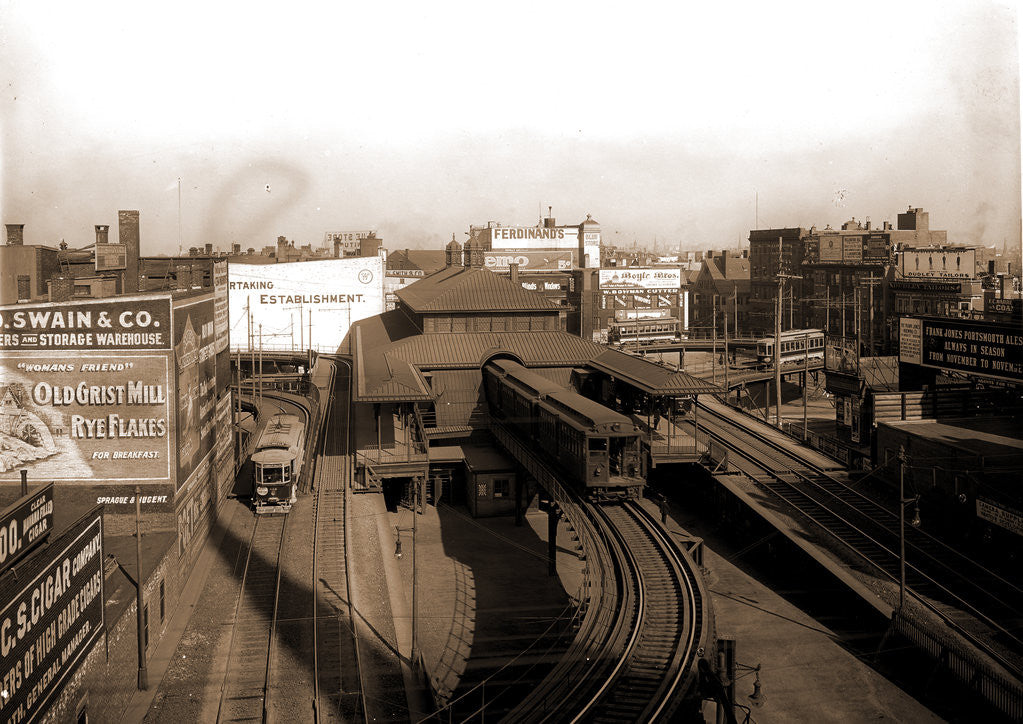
(644, 331)
(277, 463)
(599, 450)
(796, 344)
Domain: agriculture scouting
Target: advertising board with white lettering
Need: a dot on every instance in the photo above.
(987, 349)
(52, 616)
(110, 257)
(85, 416)
(25, 524)
(637, 278)
(303, 303)
(194, 344)
(532, 237)
(127, 323)
(910, 340)
(348, 241)
(1007, 518)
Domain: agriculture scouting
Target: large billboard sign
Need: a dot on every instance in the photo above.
(646, 279)
(52, 616)
(986, 349)
(221, 322)
(91, 416)
(938, 263)
(125, 323)
(303, 304)
(830, 248)
(534, 237)
(195, 350)
(530, 260)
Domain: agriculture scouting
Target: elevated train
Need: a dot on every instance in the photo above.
(277, 463)
(599, 450)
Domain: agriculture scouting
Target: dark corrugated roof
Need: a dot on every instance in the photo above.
(650, 377)
(460, 289)
(471, 349)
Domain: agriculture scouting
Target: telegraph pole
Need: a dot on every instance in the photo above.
(777, 334)
(714, 343)
(726, 357)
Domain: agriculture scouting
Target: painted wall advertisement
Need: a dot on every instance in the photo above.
(1007, 518)
(347, 242)
(830, 249)
(986, 349)
(128, 323)
(91, 416)
(530, 260)
(53, 617)
(194, 342)
(221, 322)
(289, 299)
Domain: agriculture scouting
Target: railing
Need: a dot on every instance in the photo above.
(1003, 693)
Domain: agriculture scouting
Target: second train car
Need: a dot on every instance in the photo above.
(598, 449)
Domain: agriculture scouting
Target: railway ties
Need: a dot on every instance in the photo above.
(243, 694)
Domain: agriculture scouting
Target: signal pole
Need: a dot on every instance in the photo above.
(777, 335)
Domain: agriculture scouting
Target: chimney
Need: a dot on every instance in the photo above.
(15, 234)
(60, 288)
(867, 227)
(128, 233)
(209, 249)
(102, 234)
(236, 248)
(513, 269)
(991, 267)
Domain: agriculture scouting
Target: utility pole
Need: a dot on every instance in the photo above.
(777, 334)
(726, 357)
(143, 682)
(261, 362)
(806, 376)
(714, 343)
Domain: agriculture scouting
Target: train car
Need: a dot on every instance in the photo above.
(277, 463)
(644, 331)
(793, 346)
(598, 449)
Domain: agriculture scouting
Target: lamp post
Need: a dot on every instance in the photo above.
(903, 502)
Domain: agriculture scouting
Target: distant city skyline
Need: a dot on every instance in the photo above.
(674, 125)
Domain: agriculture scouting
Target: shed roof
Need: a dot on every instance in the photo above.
(462, 289)
(650, 377)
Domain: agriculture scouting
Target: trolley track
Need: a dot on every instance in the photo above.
(245, 690)
(944, 580)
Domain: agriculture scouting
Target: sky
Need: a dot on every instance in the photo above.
(668, 124)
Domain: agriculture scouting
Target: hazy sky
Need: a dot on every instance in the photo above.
(418, 119)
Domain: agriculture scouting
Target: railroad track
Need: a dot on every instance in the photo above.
(245, 690)
(943, 580)
(668, 624)
(338, 691)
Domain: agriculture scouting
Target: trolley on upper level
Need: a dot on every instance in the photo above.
(276, 464)
(796, 345)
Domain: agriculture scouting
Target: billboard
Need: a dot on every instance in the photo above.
(852, 250)
(876, 249)
(533, 237)
(52, 615)
(125, 323)
(110, 257)
(531, 259)
(88, 416)
(986, 349)
(221, 323)
(840, 355)
(26, 523)
(938, 263)
(196, 374)
(637, 278)
(303, 304)
(830, 248)
(347, 241)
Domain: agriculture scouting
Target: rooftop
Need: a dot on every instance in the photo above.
(462, 289)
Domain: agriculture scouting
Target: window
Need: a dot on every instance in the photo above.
(502, 487)
(24, 287)
(81, 290)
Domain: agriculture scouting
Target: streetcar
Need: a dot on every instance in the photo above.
(277, 463)
(793, 347)
(644, 331)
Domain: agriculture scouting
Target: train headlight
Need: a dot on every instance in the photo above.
(262, 490)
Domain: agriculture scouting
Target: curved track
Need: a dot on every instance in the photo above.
(944, 580)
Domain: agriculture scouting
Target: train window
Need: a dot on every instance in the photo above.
(272, 474)
(597, 444)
